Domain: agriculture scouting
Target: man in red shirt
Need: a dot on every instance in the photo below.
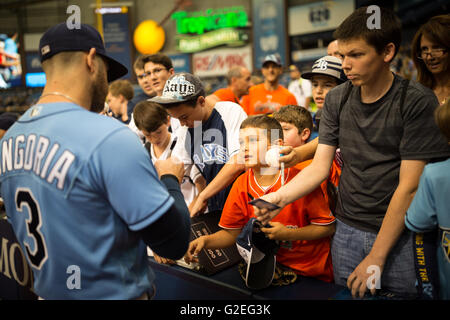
(269, 96)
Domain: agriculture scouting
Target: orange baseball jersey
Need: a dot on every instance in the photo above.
(261, 100)
(309, 258)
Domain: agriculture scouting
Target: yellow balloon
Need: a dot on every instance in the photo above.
(149, 37)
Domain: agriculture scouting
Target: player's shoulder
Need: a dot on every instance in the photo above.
(95, 129)
(101, 124)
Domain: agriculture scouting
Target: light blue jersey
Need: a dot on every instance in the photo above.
(429, 210)
(75, 185)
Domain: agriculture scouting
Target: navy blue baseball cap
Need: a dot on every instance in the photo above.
(259, 252)
(60, 38)
(7, 119)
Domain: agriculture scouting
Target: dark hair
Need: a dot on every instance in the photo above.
(298, 116)
(355, 26)
(149, 116)
(442, 118)
(159, 58)
(437, 30)
(263, 121)
(140, 62)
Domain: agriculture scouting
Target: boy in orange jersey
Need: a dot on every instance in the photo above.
(297, 127)
(268, 96)
(304, 226)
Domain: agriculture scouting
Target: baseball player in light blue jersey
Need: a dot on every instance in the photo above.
(80, 192)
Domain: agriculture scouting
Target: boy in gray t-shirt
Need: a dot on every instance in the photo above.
(385, 144)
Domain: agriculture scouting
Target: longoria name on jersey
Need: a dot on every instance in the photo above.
(29, 153)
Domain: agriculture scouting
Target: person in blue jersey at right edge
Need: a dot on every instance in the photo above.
(73, 203)
(430, 210)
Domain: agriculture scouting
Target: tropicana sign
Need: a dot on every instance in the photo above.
(211, 28)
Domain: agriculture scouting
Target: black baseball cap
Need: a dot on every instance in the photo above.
(259, 252)
(7, 119)
(60, 38)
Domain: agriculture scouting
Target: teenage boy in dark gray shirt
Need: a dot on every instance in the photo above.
(385, 144)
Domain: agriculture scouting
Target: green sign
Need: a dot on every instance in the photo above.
(209, 20)
(228, 36)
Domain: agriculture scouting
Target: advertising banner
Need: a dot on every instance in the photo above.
(318, 16)
(181, 62)
(219, 61)
(116, 35)
(269, 30)
(206, 29)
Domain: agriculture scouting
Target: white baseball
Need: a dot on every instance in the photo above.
(273, 156)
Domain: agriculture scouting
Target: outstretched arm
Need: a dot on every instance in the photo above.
(219, 240)
(229, 172)
(302, 184)
(292, 156)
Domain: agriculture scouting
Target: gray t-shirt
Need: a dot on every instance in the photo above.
(374, 138)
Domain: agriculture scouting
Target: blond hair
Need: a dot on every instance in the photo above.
(121, 87)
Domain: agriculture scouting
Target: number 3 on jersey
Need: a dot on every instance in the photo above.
(37, 257)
